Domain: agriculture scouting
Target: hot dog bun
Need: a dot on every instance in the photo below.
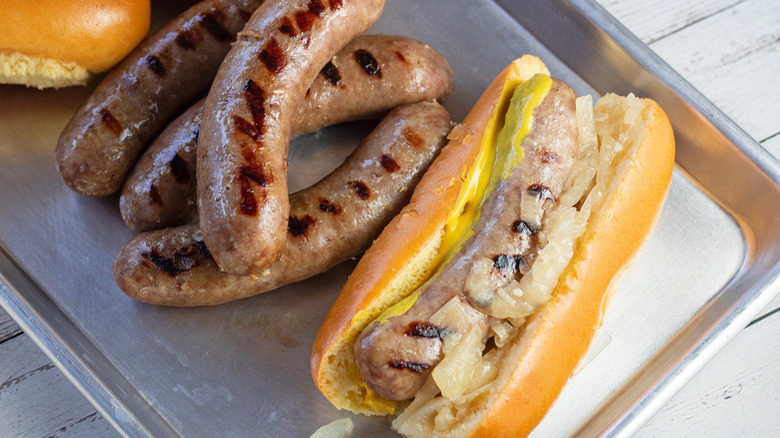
(59, 43)
(537, 362)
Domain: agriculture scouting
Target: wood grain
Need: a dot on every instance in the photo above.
(651, 20)
(772, 144)
(734, 394)
(730, 51)
(36, 400)
(733, 58)
(8, 329)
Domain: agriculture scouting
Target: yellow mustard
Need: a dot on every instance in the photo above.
(379, 403)
(518, 124)
(500, 151)
(400, 307)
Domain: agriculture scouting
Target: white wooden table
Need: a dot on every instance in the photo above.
(730, 51)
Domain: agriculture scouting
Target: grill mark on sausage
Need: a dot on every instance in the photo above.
(305, 19)
(182, 259)
(417, 367)
(369, 64)
(155, 65)
(246, 128)
(255, 98)
(202, 249)
(329, 207)
(549, 156)
(401, 57)
(331, 73)
(162, 263)
(110, 121)
(212, 22)
(287, 27)
(253, 173)
(413, 137)
(186, 40)
(299, 226)
(154, 195)
(335, 4)
(187, 252)
(521, 227)
(316, 8)
(248, 154)
(543, 192)
(389, 164)
(361, 189)
(273, 57)
(248, 204)
(508, 263)
(423, 329)
(179, 168)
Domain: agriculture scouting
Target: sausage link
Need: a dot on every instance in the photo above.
(160, 190)
(408, 71)
(242, 149)
(393, 357)
(329, 222)
(138, 98)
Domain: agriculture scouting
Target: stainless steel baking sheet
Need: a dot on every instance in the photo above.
(242, 369)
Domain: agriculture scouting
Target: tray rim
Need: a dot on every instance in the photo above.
(79, 360)
(86, 367)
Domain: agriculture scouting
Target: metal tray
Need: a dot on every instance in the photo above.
(242, 369)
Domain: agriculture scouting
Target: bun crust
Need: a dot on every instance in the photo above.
(541, 359)
(565, 325)
(62, 40)
(397, 259)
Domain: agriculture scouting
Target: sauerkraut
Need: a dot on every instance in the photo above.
(466, 375)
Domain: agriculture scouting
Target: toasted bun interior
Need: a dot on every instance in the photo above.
(535, 364)
(58, 43)
(540, 360)
(397, 261)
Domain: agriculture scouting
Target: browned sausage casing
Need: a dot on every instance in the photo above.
(138, 98)
(242, 148)
(329, 222)
(397, 356)
(160, 190)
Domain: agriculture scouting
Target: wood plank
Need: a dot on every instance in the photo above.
(733, 59)
(733, 395)
(8, 328)
(772, 144)
(653, 20)
(37, 400)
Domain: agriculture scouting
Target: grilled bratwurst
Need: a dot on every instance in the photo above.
(138, 98)
(329, 222)
(160, 191)
(248, 115)
(396, 356)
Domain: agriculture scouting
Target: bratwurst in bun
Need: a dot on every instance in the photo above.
(479, 299)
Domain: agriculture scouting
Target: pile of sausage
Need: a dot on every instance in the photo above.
(206, 187)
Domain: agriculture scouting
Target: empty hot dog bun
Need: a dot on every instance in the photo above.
(59, 43)
(497, 360)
